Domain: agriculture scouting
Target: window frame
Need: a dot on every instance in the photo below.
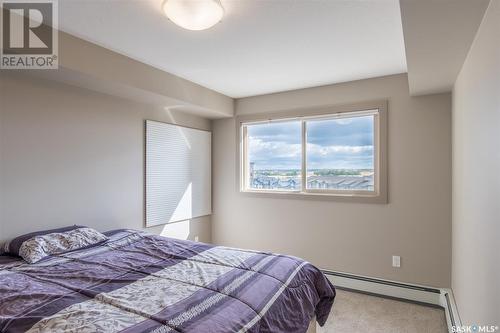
(377, 108)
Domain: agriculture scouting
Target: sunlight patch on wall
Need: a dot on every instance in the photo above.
(185, 205)
(179, 230)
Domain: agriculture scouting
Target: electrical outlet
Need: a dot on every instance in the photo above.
(396, 261)
(196, 239)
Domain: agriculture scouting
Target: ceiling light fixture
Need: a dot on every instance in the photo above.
(194, 14)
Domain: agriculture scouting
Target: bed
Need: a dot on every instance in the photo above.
(138, 282)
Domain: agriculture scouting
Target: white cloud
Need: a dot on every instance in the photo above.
(344, 121)
(274, 149)
(279, 154)
(327, 150)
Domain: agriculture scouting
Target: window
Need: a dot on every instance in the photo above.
(274, 156)
(340, 153)
(336, 154)
(178, 173)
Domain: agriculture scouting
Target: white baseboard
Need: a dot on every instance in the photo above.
(441, 297)
(450, 308)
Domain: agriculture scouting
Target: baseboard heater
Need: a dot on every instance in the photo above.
(440, 297)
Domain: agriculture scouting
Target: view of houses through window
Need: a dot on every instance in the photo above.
(338, 155)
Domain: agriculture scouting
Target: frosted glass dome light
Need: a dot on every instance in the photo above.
(194, 14)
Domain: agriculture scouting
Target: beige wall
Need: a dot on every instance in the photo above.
(70, 155)
(87, 65)
(353, 237)
(476, 177)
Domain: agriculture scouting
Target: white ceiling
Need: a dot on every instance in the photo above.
(259, 47)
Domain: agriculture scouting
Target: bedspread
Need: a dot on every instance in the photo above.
(138, 282)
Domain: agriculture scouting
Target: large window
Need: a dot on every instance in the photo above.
(331, 154)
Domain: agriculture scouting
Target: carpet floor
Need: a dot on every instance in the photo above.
(355, 312)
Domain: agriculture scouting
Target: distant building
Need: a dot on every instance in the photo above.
(252, 168)
(270, 182)
(365, 183)
(341, 182)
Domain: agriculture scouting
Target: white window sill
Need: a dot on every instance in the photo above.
(369, 197)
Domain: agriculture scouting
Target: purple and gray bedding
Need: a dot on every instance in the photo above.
(138, 282)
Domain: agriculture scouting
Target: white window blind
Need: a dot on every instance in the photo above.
(178, 173)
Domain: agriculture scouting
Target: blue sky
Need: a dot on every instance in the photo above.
(331, 144)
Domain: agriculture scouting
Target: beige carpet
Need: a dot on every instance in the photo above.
(354, 312)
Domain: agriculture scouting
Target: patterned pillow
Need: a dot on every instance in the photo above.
(12, 247)
(42, 246)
